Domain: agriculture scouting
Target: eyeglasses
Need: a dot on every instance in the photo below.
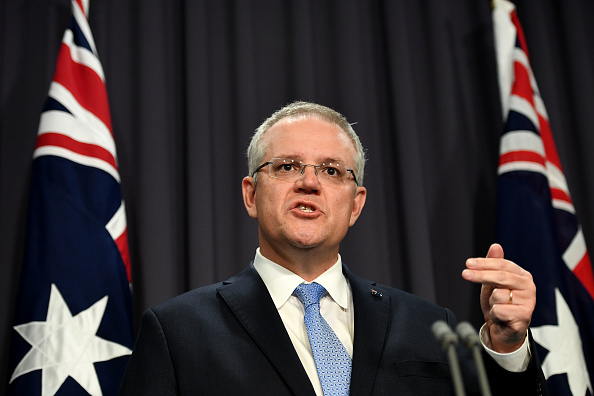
(330, 173)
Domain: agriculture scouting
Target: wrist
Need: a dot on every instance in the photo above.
(496, 344)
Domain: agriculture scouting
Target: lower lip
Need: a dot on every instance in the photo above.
(309, 215)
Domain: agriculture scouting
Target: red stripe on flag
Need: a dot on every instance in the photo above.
(583, 271)
(80, 5)
(521, 156)
(548, 141)
(122, 244)
(522, 86)
(84, 84)
(560, 195)
(87, 149)
(519, 32)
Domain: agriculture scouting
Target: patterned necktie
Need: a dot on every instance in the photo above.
(332, 359)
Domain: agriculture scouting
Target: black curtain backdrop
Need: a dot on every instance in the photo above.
(189, 81)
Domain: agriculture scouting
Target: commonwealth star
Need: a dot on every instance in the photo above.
(66, 345)
(564, 343)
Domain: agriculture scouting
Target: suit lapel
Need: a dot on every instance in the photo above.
(372, 306)
(249, 300)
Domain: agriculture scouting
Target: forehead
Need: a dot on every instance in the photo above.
(308, 139)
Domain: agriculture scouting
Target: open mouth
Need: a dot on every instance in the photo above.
(305, 208)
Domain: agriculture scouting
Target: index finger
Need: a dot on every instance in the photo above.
(501, 276)
(494, 264)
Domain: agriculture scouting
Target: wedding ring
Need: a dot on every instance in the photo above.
(511, 296)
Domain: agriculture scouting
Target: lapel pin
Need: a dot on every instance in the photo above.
(376, 293)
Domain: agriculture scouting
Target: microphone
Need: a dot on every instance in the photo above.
(448, 341)
(470, 338)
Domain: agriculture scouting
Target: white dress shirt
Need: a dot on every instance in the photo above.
(336, 306)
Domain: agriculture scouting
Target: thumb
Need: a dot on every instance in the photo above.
(495, 251)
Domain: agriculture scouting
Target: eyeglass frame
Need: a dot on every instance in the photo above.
(269, 162)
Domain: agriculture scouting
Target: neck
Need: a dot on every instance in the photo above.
(307, 263)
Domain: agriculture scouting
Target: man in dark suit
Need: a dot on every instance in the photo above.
(250, 335)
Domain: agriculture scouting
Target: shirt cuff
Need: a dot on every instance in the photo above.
(516, 361)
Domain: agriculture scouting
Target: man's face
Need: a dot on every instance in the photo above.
(304, 214)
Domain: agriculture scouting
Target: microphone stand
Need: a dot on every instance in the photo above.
(471, 339)
(448, 341)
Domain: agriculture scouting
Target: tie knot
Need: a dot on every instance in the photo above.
(309, 293)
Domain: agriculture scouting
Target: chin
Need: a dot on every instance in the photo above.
(306, 241)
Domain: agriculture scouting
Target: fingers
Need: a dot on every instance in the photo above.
(496, 271)
(500, 273)
(511, 315)
(495, 251)
(511, 308)
(506, 304)
(494, 264)
(504, 296)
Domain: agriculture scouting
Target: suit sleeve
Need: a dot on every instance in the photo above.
(150, 369)
(526, 383)
(531, 382)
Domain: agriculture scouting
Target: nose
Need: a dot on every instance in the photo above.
(308, 180)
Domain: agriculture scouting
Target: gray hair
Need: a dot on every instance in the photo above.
(256, 149)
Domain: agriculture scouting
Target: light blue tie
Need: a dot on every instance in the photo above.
(332, 359)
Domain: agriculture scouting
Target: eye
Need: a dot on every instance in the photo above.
(331, 170)
(286, 166)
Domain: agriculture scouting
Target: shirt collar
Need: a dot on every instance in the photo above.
(281, 282)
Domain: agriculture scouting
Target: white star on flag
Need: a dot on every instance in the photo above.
(66, 345)
(565, 348)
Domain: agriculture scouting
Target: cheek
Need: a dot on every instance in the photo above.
(269, 205)
(342, 211)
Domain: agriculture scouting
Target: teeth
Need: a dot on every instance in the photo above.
(306, 208)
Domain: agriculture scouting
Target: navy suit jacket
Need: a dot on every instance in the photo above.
(228, 339)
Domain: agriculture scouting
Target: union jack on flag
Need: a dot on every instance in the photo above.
(536, 219)
(73, 319)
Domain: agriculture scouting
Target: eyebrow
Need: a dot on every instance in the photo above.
(323, 161)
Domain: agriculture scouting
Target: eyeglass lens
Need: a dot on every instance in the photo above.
(289, 169)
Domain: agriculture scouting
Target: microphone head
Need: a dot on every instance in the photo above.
(468, 334)
(444, 334)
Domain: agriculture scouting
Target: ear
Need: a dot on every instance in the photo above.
(248, 188)
(358, 203)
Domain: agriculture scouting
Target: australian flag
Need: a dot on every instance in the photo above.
(73, 320)
(536, 219)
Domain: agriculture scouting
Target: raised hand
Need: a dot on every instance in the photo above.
(508, 298)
